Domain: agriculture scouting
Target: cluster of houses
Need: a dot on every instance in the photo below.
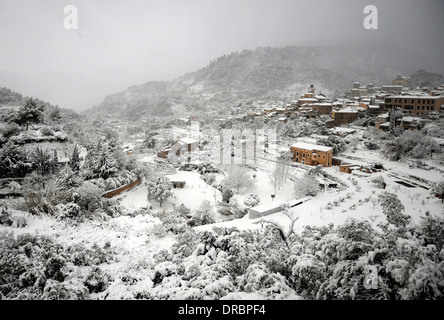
(360, 101)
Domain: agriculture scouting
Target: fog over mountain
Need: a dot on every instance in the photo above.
(119, 44)
(270, 73)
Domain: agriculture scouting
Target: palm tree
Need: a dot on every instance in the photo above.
(393, 150)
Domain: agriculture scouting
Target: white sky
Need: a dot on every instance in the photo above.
(121, 43)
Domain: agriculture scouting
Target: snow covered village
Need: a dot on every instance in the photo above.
(276, 173)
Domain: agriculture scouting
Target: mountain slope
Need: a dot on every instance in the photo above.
(264, 73)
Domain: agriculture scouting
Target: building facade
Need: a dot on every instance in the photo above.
(420, 106)
(312, 154)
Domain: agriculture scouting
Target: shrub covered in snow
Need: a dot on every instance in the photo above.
(97, 280)
(379, 181)
(306, 186)
(204, 214)
(252, 200)
(37, 267)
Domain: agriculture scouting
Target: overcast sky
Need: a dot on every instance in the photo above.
(120, 43)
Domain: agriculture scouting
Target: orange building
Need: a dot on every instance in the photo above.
(415, 105)
(312, 154)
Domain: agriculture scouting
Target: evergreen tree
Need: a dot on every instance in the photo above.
(393, 208)
(74, 160)
(30, 112)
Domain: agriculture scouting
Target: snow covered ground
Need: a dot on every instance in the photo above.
(136, 243)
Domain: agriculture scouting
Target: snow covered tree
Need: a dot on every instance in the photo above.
(204, 214)
(338, 144)
(392, 207)
(88, 196)
(379, 181)
(353, 143)
(103, 163)
(394, 115)
(252, 200)
(13, 161)
(30, 112)
(279, 174)
(43, 161)
(306, 186)
(238, 179)
(160, 189)
(74, 160)
(393, 150)
(439, 189)
(227, 194)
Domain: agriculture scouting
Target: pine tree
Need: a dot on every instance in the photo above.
(30, 112)
(74, 161)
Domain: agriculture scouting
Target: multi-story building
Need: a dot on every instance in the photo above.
(321, 107)
(344, 116)
(312, 154)
(420, 106)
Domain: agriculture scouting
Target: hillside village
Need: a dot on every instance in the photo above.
(324, 197)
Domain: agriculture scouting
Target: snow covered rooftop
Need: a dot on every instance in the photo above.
(308, 99)
(347, 110)
(188, 140)
(310, 146)
(342, 129)
(414, 97)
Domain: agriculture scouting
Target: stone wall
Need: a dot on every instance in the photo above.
(118, 191)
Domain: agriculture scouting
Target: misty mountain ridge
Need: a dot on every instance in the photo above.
(279, 74)
(10, 98)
